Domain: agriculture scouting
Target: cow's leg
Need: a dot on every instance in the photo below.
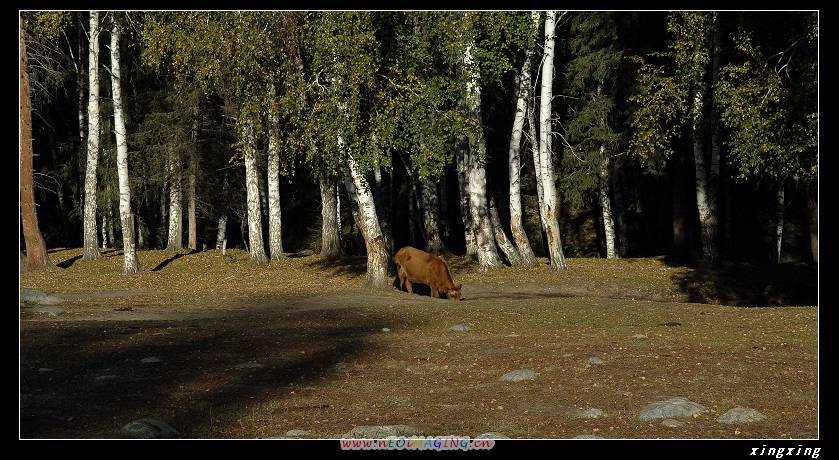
(410, 286)
(434, 292)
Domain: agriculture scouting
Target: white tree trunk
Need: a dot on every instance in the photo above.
(256, 246)
(90, 250)
(606, 206)
(707, 220)
(275, 232)
(377, 256)
(193, 168)
(462, 158)
(522, 96)
(330, 247)
(507, 247)
(478, 206)
(130, 265)
(714, 170)
(431, 214)
(221, 230)
(779, 223)
(353, 204)
(813, 212)
(546, 173)
(175, 240)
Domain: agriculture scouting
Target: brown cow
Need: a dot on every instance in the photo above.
(416, 266)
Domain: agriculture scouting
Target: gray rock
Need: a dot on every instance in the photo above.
(148, 428)
(595, 360)
(673, 407)
(640, 336)
(590, 413)
(741, 415)
(460, 328)
(42, 298)
(518, 375)
(672, 423)
(151, 360)
(298, 434)
(491, 435)
(567, 355)
(52, 311)
(249, 365)
(588, 436)
(381, 431)
(385, 329)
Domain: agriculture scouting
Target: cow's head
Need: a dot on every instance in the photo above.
(455, 293)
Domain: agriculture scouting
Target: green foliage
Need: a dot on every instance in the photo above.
(591, 76)
(772, 117)
(663, 91)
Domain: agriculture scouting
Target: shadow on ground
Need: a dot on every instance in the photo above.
(197, 387)
(749, 285)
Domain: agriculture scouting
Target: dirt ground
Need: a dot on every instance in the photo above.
(254, 351)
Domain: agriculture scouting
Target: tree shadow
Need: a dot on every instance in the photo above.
(748, 285)
(174, 257)
(69, 262)
(205, 381)
(353, 266)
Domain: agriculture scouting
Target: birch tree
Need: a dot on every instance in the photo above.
(91, 252)
(130, 265)
(275, 232)
(523, 83)
(549, 210)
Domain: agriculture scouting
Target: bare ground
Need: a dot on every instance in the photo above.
(327, 365)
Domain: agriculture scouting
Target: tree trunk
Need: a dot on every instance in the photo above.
(549, 208)
(257, 248)
(221, 230)
(680, 220)
(813, 212)
(478, 206)
(707, 218)
(431, 217)
(141, 243)
(353, 203)
(779, 223)
(104, 226)
(507, 247)
(716, 145)
(522, 97)
(109, 212)
(37, 257)
(275, 232)
(444, 214)
(91, 252)
(130, 265)
(193, 223)
(606, 207)
(377, 256)
(175, 240)
(330, 240)
(462, 158)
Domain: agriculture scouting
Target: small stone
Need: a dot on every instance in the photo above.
(671, 423)
(518, 375)
(673, 407)
(39, 297)
(148, 428)
(151, 360)
(595, 360)
(590, 413)
(491, 435)
(298, 434)
(385, 329)
(381, 431)
(741, 415)
(567, 355)
(460, 328)
(588, 436)
(640, 336)
(249, 365)
(52, 311)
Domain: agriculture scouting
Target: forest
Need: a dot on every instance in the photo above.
(502, 135)
(618, 206)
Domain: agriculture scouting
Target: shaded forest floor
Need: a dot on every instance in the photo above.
(255, 351)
